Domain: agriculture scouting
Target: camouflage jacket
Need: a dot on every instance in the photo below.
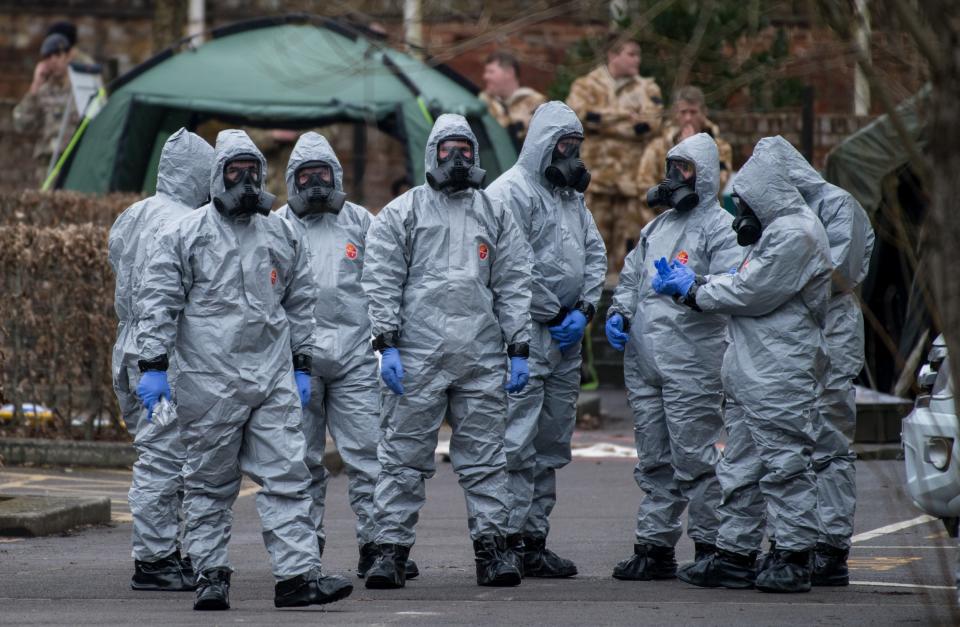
(515, 112)
(614, 140)
(41, 114)
(653, 163)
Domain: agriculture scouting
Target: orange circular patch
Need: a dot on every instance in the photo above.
(351, 251)
(273, 277)
(683, 257)
(484, 251)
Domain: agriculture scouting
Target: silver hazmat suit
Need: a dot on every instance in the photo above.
(235, 300)
(156, 489)
(569, 266)
(777, 302)
(451, 274)
(345, 394)
(672, 360)
(851, 240)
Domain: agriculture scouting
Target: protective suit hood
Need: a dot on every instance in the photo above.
(313, 147)
(701, 150)
(449, 125)
(800, 173)
(550, 122)
(763, 185)
(230, 143)
(184, 168)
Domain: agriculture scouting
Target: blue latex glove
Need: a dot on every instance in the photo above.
(391, 370)
(732, 270)
(152, 387)
(616, 336)
(303, 386)
(672, 280)
(519, 374)
(570, 331)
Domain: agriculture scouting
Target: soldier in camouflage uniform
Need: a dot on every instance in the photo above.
(510, 104)
(621, 112)
(41, 111)
(689, 118)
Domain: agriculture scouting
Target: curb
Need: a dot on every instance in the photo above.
(39, 452)
(46, 515)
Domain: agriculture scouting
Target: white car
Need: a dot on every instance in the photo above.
(931, 442)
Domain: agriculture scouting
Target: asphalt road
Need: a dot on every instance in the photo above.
(82, 578)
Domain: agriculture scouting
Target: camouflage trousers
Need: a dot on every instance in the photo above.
(619, 220)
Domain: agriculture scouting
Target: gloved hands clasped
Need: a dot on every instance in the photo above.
(570, 331)
(152, 387)
(672, 279)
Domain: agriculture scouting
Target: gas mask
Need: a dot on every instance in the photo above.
(315, 191)
(456, 171)
(243, 195)
(675, 191)
(746, 224)
(566, 169)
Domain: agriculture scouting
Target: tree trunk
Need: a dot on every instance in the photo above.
(943, 215)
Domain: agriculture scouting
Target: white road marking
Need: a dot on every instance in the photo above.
(890, 584)
(882, 531)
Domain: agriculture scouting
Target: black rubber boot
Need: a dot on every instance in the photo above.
(789, 571)
(495, 565)
(830, 566)
(368, 555)
(309, 589)
(213, 590)
(647, 563)
(164, 575)
(515, 548)
(721, 569)
(539, 561)
(387, 572)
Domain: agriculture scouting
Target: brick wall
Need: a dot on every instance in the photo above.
(744, 130)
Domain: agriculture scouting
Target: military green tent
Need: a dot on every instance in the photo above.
(294, 72)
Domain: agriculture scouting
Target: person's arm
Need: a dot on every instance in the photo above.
(510, 280)
(385, 267)
(544, 304)
(595, 266)
(626, 296)
(724, 254)
(600, 117)
(167, 279)
(300, 298)
(784, 265)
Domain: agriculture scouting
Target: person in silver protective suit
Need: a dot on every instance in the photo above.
(229, 292)
(448, 279)
(672, 363)
(345, 389)
(156, 489)
(772, 371)
(851, 240)
(545, 191)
